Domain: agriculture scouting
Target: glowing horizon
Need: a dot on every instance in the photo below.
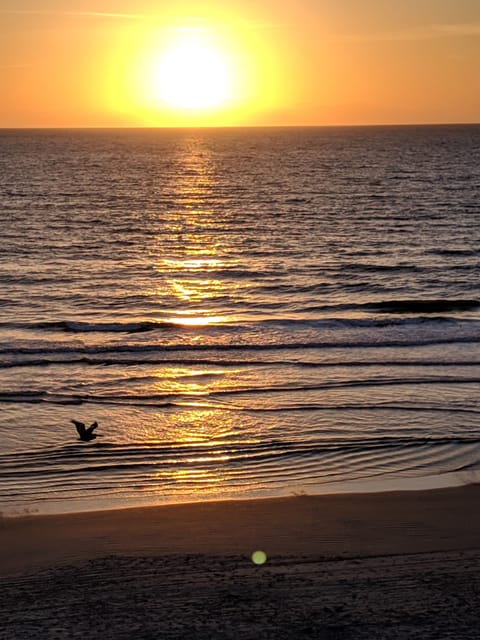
(252, 64)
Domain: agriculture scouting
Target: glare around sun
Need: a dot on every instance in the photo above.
(200, 73)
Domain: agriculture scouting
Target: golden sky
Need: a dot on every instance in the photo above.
(238, 62)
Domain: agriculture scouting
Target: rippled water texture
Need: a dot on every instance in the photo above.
(245, 312)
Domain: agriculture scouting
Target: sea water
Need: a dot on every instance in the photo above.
(245, 312)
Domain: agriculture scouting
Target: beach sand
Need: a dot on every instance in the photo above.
(386, 565)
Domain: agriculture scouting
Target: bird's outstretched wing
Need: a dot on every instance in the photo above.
(91, 428)
(80, 427)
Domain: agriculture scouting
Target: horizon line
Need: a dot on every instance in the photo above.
(245, 126)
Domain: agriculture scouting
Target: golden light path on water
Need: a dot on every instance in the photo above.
(183, 278)
(195, 230)
(203, 474)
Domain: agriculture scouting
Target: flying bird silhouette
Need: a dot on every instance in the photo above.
(85, 433)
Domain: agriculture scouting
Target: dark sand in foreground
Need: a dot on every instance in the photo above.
(376, 566)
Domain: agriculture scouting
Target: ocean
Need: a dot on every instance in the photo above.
(245, 312)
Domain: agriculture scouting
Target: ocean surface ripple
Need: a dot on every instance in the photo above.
(245, 312)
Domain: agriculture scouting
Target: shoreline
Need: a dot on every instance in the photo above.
(345, 487)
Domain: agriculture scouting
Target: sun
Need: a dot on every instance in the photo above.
(202, 71)
(193, 73)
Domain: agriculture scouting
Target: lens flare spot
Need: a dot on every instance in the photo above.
(259, 557)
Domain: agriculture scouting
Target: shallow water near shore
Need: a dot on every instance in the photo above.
(245, 312)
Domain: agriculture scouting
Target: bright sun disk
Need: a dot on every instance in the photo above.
(193, 73)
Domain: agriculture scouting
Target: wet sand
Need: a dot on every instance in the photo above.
(387, 565)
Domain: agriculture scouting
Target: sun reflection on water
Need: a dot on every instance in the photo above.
(195, 425)
(194, 290)
(191, 265)
(201, 448)
(200, 321)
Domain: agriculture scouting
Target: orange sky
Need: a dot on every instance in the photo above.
(274, 62)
